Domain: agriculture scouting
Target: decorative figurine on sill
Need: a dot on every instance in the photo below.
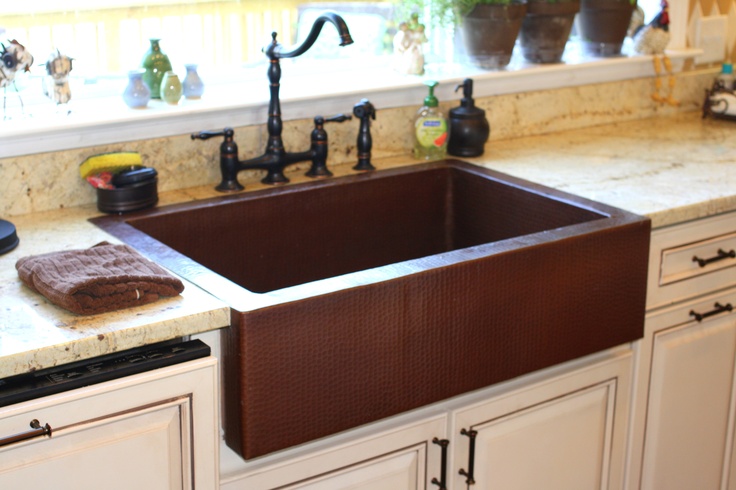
(401, 46)
(652, 39)
(720, 103)
(15, 58)
(409, 47)
(56, 85)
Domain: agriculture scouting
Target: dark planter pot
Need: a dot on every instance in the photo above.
(545, 30)
(489, 33)
(602, 25)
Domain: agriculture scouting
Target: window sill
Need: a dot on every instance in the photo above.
(107, 120)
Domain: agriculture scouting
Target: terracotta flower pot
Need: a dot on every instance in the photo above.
(546, 29)
(489, 33)
(602, 25)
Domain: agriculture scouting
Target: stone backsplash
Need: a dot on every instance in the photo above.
(46, 181)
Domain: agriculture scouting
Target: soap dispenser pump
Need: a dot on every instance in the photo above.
(469, 128)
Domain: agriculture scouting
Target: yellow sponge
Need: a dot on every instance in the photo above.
(109, 162)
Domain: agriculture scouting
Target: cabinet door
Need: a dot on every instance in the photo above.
(402, 470)
(152, 430)
(144, 448)
(403, 458)
(690, 410)
(565, 434)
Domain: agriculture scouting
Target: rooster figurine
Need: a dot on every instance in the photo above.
(652, 39)
(15, 58)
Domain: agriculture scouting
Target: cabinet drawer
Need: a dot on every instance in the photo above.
(692, 259)
(162, 423)
(403, 457)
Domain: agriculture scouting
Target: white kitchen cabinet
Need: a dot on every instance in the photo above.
(683, 424)
(156, 430)
(560, 428)
(565, 433)
(401, 458)
(690, 411)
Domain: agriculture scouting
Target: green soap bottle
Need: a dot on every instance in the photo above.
(430, 129)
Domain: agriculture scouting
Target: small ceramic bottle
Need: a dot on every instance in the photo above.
(136, 94)
(192, 85)
(171, 88)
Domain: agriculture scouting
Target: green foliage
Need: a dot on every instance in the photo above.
(443, 12)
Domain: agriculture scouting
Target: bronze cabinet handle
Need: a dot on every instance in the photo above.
(717, 308)
(720, 255)
(442, 482)
(470, 474)
(36, 431)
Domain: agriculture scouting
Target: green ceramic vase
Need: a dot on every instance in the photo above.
(171, 88)
(156, 64)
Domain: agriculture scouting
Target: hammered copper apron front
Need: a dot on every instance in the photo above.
(452, 278)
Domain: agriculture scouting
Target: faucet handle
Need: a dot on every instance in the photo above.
(229, 164)
(319, 122)
(339, 118)
(228, 147)
(228, 133)
(319, 145)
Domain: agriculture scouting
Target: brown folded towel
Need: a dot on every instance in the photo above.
(102, 278)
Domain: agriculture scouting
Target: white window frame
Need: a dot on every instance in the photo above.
(306, 95)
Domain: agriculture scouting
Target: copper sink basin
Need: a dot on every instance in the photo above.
(360, 297)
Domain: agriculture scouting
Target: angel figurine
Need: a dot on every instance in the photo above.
(408, 47)
(56, 85)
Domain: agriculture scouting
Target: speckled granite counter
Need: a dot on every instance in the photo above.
(671, 169)
(35, 334)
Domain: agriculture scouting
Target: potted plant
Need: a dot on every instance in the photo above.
(602, 25)
(488, 28)
(546, 29)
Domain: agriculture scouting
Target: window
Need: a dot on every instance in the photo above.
(108, 40)
(225, 38)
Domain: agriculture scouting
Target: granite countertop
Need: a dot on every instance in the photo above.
(36, 334)
(672, 169)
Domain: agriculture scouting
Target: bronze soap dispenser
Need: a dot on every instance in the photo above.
(469, 128)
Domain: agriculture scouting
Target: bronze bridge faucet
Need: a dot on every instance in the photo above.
(276, 158)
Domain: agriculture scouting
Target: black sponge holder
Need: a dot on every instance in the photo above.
(8, 237)
(134, 189)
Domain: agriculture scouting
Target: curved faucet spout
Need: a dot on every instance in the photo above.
(274, 51)
(275, 159)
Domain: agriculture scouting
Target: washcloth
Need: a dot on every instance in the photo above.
(102, 278)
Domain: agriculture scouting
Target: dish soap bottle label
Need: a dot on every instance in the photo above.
(431, 131)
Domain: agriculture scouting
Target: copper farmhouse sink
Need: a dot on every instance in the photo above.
(360, 297)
